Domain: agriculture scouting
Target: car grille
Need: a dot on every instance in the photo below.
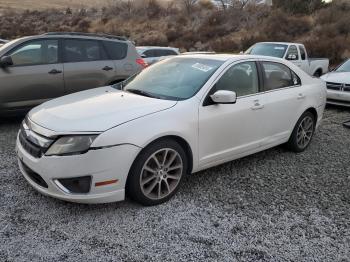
(338, 87)
(31, 148)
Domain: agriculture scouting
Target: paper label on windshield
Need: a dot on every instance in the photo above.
(279, 48)
(202, 67)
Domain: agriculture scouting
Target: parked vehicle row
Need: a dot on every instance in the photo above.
(181, 115)
(38, 68)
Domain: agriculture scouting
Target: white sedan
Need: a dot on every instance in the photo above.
(338, 85)
(177, 117)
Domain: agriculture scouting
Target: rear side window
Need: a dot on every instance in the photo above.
(278, 76)
(116, 50)
(37, 52)
(83, 51)
(302, 52)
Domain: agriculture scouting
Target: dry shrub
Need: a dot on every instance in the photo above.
(153, 38)
(334, 48)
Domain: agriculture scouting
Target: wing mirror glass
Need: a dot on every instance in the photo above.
(224, 97)
(6, 61)
(291, 57)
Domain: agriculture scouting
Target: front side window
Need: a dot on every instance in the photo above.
(242, 79)
(82, 51)
(292, 53)
(36, 52)
(176, 78)
(278, 76)
(149, 53)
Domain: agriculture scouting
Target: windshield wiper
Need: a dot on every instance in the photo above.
(141, 92)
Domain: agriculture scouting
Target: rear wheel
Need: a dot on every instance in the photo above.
(318, 73)
(303, 133)
(157, 173)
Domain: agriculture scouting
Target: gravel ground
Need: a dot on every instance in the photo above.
(272, 206)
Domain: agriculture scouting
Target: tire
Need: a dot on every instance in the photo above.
(318, 73)
(302, 132)
(150, 183)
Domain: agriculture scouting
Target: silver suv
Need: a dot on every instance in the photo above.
(38, 68)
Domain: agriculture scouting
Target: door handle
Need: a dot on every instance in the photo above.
(107, 68)
(257, 105)
(301, 96)
(55, 71)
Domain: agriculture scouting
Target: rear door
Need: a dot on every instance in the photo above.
(86, 65)
(35, 76)
(284, 100)
(124, 59)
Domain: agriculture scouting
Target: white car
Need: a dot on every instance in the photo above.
(177, 117)
(293, 52)
(338, 85)
(153, 54)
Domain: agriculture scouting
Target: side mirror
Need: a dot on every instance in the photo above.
(241, 53)
(143, 56)
(291, 57)
(6, 61)
(224, 97)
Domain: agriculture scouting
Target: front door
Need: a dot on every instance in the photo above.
(35, 76)
(229, 130)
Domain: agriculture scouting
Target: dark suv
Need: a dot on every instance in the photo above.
(38, 68)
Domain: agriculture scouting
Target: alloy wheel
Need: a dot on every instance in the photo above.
(305, 132)
(161, 173)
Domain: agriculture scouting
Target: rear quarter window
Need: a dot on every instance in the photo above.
(116, 50)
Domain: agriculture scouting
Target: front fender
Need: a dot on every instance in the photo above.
(180, 120)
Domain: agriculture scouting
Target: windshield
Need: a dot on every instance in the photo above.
(172, 79)
(265, 49)
(344, 67)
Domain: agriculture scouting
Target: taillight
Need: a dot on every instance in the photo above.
(141, 62)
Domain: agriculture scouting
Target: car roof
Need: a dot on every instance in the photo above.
(157, 47)
(76, 35)
(280, 43)
(231, 57)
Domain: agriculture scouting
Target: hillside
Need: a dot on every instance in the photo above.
(44, 4)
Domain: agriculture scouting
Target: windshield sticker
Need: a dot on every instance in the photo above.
(202, 67)
(279, 48)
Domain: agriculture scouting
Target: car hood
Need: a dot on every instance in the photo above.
(337, 77)
(95, 110)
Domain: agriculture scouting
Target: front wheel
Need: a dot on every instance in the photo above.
(157, 173)
(302, 133)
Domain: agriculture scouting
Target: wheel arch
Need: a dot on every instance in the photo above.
(320, 70)
(313, 111)
(183, 143)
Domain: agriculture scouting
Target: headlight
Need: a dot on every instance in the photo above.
(70, 145)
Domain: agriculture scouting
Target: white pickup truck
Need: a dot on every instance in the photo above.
(294, 52)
